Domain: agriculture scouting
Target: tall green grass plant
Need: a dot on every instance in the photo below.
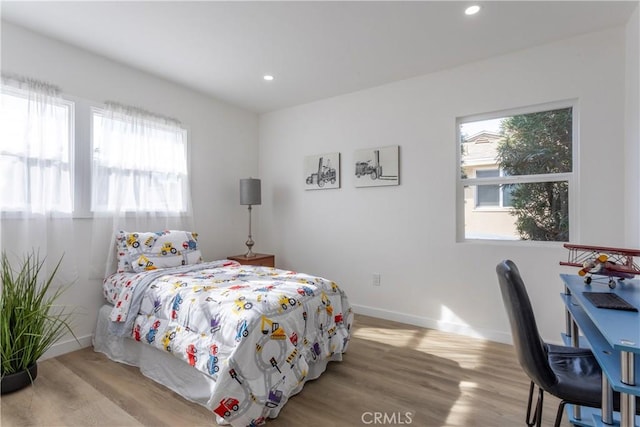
(30, 320)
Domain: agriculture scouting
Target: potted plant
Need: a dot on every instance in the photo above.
(30, 320)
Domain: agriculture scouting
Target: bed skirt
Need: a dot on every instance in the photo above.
(174, 373)
(160, 366)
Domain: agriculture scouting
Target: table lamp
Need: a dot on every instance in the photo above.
(250, 194)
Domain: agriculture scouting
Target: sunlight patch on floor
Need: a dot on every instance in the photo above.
(431, 341)
(437, 342)
(394, 337)
(462, 410)
(451, 322)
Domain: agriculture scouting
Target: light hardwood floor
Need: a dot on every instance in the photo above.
(439, 379)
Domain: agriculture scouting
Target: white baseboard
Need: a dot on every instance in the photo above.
(424, 322)
(68, 346)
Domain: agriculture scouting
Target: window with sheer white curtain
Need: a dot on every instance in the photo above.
(36, 170)
(36, 146)
(139, 162)
(139, 178)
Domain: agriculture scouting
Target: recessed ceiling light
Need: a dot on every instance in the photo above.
(472, 10)
(268, 78)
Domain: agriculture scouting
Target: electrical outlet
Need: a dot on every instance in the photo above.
(375, 280)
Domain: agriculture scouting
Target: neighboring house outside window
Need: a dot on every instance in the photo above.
(486, 207)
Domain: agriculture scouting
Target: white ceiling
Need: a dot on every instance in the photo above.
(315, 49)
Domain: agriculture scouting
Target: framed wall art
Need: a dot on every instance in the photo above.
(375, 167)
(322, 171)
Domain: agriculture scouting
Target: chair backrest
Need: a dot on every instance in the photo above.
(529, 346)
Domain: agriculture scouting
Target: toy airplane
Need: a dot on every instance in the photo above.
(603, 261)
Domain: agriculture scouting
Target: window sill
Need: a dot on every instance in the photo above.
(492, 209)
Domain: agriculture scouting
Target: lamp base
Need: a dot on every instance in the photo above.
(249, 244)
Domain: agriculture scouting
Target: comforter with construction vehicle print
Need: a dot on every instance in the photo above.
(259, 332)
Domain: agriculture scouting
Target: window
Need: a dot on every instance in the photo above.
(36, 146)
(516, 171)
(494, 195)
(139, 163)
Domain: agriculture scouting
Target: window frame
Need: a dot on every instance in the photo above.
(70, 104)
(82, 186)
(572, 178)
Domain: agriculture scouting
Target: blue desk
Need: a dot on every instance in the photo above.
(614, 338)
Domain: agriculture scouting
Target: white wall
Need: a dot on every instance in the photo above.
(407, 233)
(632, 130)
(222, 138)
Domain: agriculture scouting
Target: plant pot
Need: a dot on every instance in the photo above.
(19, 380)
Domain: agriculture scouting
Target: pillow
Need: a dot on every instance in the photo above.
(140, 251)
(124, 266)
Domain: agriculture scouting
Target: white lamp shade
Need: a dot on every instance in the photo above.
(250, 191)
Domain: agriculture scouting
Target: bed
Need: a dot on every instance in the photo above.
(239, 340)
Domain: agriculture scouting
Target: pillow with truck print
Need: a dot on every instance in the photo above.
(122, 255)
(141, 251)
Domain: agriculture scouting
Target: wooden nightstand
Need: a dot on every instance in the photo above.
(265, 260)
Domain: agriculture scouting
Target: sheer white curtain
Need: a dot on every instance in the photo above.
(140, 179)
(36, 148)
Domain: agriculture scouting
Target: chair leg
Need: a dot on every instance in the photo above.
(539, 407)
(560, 413)
(537, 416)
(528, 420)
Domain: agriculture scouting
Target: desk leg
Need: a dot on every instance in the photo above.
(575, 335)
(568, 323)
(575, 342)
(607, 401)
(627, 401)
(568, 320)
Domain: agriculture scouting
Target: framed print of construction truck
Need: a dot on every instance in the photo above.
(376, 167)
(322, 171)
